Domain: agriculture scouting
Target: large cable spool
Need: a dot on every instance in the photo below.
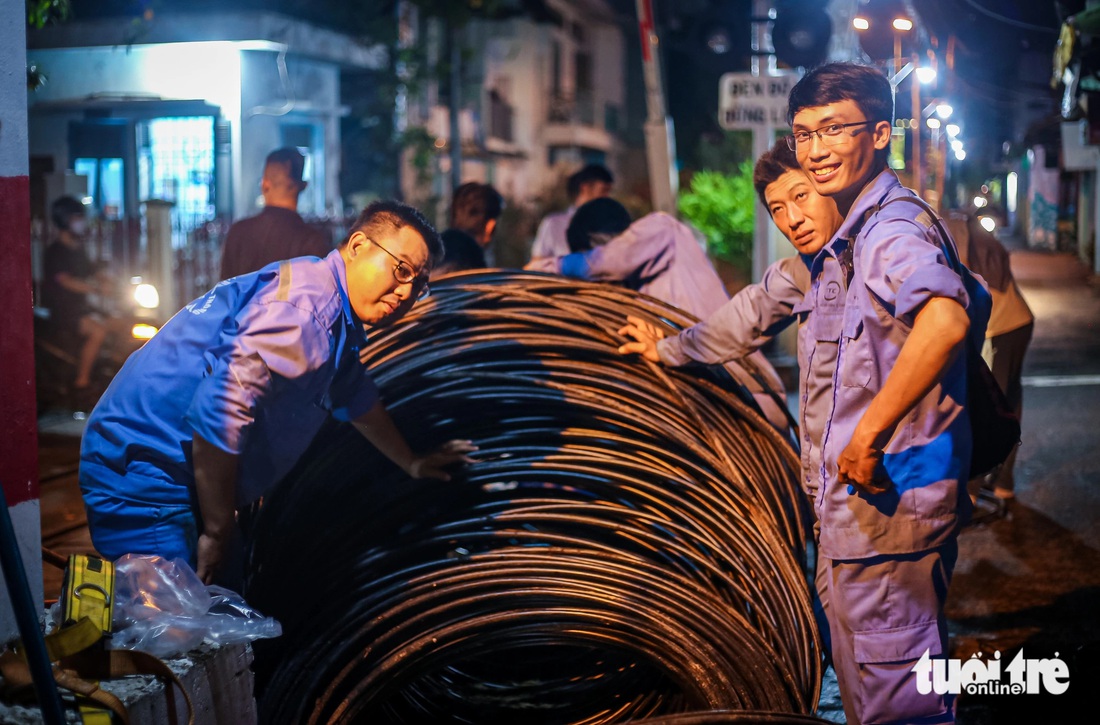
(630, 542)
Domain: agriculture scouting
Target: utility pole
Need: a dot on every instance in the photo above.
(762, 136)
(660, 142)
(454, 40)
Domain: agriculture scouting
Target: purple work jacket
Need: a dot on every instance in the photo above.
(744, 323)
(864, 296)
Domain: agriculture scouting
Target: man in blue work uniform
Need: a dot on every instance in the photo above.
(220, 404)
(896, 438)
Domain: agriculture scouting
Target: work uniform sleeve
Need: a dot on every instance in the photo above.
(744, 323)
(636, 256)
(903, 268)
(275, 343)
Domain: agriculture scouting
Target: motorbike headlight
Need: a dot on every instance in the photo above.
(142, 331)
(147, 296)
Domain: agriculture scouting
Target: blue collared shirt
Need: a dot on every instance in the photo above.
(254, 367)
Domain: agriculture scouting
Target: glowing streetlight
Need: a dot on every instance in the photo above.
(902, 24)
(933, 122)
(926, 75)
(944, 110)
(860, 23)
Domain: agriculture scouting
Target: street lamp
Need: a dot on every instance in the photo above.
(944, 134)
(901, 25)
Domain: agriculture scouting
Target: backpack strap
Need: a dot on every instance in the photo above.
(946, 240)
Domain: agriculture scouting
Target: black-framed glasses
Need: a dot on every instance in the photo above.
(830, 135)
(404, 274)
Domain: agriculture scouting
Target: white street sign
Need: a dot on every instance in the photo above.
(746, 101)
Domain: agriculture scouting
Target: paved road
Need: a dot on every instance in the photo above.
(1031, 580)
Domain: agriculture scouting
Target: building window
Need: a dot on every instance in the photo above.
(500, 116)
(176, 163)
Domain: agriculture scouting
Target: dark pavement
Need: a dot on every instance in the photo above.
(1028, 575)
(1030, 579)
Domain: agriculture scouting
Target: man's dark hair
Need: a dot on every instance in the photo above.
(588, 174)
(384, 215)
(460, 252)
(603, 216)
(774, 162)
(865, 85)
(290, 159)
(64, 209)
(475, 205)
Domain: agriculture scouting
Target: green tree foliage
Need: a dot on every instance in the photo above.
(721, 207)
(42, 12)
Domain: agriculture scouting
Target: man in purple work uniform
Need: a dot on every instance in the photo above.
(219, 405)
(895, 435)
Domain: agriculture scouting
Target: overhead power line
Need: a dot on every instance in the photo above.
(1009, 21)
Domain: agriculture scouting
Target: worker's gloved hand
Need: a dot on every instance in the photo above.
(645, 337)
(431, 465)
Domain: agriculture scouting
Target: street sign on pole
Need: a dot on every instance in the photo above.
(756, 103)
(752, 102)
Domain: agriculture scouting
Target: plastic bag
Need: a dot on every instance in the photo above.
(163, 608)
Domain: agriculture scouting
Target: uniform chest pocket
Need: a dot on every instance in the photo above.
(825, 324)
(856, 364)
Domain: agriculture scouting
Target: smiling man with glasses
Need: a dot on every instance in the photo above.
(896, 439)
(213, 411)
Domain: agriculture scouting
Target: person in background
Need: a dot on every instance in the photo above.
(277, 232)
(461, 252)
(1007, 335)
(475, 210)
(594, 181)
(68, 278)
(216, 408)
(659, 256)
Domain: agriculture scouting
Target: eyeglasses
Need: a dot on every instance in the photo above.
(404, 274)
(830, 135)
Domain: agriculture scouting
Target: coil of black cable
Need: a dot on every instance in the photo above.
(628, 544)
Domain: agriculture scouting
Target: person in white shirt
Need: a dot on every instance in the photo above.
(591, 182)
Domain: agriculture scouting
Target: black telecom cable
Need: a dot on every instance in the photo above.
(628, 544)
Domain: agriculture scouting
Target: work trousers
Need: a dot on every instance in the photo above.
(884, 613)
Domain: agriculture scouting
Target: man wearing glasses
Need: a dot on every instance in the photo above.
(896, 440)
(219, 405)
